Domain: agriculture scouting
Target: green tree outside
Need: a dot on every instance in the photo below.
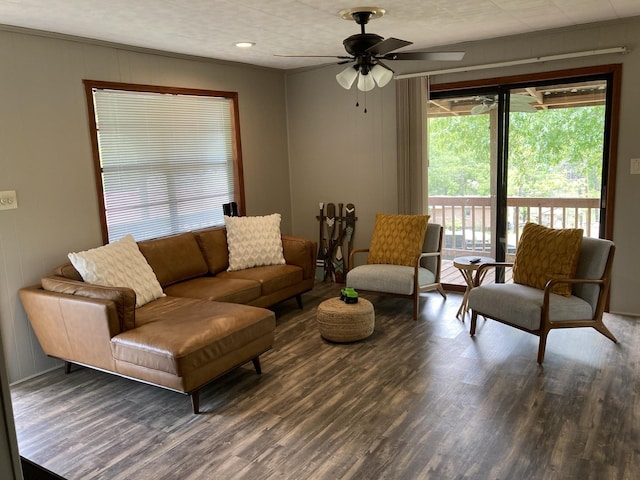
(552, 153)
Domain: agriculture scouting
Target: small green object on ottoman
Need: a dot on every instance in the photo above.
(345, 322)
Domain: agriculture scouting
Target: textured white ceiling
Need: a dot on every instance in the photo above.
(208, 28)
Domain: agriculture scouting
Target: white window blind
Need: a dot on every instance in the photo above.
(166, 161)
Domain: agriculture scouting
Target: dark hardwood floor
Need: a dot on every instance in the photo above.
(416, 400)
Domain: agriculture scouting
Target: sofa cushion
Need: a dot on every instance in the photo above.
(182, 334)
(272, 278)
(123, 297)
(67, 270)
(119, 264)
(301, 252)
(396, 279)
(214, 288)
(397, 239)
(254, 241)
(174, 258)
(523, 304)
(213, 245)
(545, 254)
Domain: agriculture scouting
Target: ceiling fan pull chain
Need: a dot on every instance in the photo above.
(365, 102)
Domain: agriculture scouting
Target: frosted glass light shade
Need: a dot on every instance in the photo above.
(381, 75)
(346, 77)
(365, 82)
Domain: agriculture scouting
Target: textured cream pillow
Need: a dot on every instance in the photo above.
(119, 264)
(397, 239)
(545, 254)
(254, 241)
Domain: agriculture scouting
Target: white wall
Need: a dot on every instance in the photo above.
(45, 155)
(337, 152)
(327, 134)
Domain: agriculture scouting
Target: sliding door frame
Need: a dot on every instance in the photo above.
(610, 141)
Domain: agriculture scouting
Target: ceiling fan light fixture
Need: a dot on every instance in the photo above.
(362, 13)
(346, 77)
(366, 82)
(381, 75)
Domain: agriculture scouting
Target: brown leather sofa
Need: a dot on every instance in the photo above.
(209, 321)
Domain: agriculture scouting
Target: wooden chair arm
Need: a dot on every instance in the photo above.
(418, 264)
(479, 275)
(352, 255)
(572, 281)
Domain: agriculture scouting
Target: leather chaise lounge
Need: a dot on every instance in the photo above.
(208, 322)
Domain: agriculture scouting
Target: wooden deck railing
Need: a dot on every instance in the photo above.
(467, 220)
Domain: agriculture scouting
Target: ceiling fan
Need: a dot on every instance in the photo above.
(517, 103)
(370, 52)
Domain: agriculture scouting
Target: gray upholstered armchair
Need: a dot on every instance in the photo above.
(402, 280)
(539, 311)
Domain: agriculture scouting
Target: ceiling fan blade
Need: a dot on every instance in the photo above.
(433, 56)
(522, 107)
(380, 62)
(522, 99)
(314, 56)
(387, 45)
(479, 109)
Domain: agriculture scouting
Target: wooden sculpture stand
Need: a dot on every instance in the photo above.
(336, 231)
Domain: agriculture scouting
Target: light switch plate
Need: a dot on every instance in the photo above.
(8, 200)
(635, 166)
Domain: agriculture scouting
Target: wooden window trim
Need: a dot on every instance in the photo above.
(238, 173)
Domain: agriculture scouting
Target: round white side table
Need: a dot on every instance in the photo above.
(468, 267)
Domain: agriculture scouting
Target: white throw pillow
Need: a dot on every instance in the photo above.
(119, 264)
(254, 241)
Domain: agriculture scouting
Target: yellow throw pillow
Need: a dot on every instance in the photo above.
(544, 254)
(397, 239)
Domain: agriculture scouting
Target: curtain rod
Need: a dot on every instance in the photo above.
(587, 53)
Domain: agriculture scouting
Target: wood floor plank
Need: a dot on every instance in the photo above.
(417, 399)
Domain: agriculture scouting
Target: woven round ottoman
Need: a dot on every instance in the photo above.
(345, 322)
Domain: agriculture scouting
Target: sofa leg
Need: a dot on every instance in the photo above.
(195, 401)
(256, 365)
(299, 300)
(67, 368)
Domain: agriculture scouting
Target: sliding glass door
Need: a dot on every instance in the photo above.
(555, 156)
(508, 154)
(463, 152)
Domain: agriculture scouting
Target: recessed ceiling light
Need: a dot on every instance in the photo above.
(244, 44)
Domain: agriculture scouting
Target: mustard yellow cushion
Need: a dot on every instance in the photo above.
(544, 254)
(397, 239)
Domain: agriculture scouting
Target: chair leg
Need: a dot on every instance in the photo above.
(299, 300)
(67, 368)
(542, 346)
(195, 401)
(256, 365)
(599, 326)
(416, 305)
(474, 320)
(441, 290)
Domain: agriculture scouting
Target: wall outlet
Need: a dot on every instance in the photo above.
(635, 166)
(8, 200)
